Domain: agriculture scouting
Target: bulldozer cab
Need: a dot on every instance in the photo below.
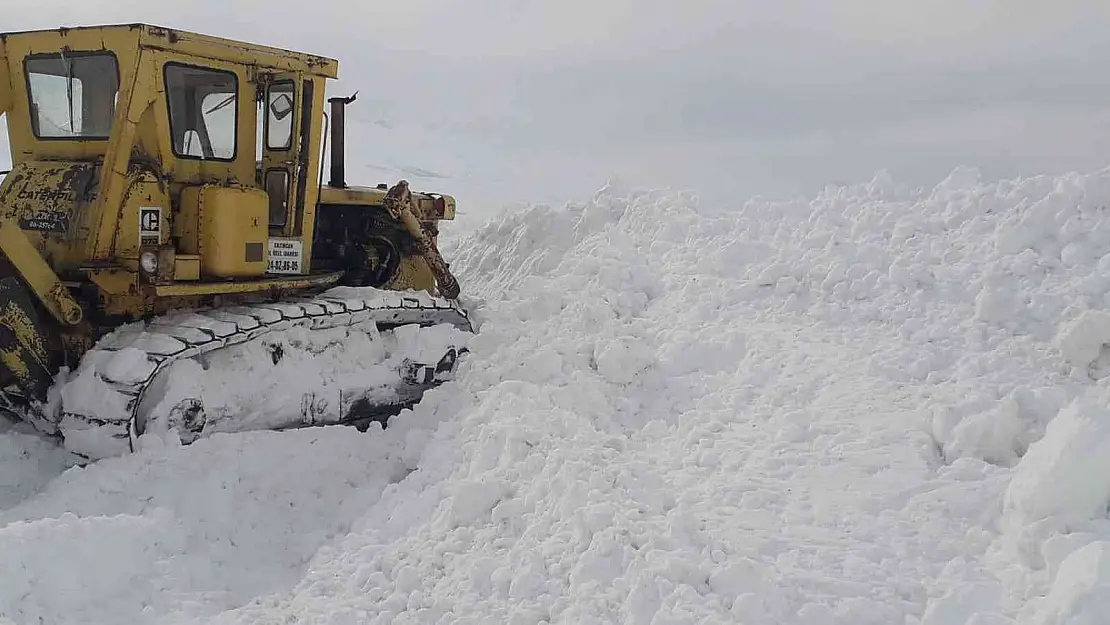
(195, 110)
(162, 165)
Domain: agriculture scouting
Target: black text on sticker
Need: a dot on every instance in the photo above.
(285, 256)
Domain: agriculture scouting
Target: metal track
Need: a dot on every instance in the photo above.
(180, 336)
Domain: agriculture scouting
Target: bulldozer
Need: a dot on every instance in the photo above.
(172, 261)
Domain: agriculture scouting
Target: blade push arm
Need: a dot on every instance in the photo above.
(17, 248)
(399, 203)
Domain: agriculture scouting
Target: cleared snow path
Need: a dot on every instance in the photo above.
(851, 410)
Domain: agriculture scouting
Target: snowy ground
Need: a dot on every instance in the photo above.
(881, 406)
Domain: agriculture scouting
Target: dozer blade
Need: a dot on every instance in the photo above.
(26, 366)
(349, 355)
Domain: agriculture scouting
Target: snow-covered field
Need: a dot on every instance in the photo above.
(880, 406)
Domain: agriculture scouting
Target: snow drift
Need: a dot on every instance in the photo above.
(879, 405)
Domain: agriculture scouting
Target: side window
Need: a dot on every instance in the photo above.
(204, 111)
(279, 115)
(277, 186)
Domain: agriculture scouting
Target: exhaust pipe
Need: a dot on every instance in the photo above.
(338, 148)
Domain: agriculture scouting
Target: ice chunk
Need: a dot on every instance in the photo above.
(1081, 341)
(1066, 474)
(1080, 594)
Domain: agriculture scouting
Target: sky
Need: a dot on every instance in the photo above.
(510, 101)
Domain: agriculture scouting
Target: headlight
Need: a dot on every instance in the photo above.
(148, 262)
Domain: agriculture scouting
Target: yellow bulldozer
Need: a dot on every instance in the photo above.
(172, 261)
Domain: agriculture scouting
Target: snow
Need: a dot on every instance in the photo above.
(1080, 595)
(1077, 443)
(27, 462)
(190, 530)
(881, 405)
(326, 370)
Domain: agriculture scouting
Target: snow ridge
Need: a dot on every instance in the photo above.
(879, 405)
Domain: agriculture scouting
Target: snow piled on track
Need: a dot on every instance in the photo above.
(882, 405)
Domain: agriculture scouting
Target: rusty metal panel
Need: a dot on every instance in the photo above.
(48, 197)
(239, 52)
(181, 42)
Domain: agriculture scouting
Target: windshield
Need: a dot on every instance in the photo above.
(73, 94)
(204, 105)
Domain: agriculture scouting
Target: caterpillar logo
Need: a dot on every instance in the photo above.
(150, 225)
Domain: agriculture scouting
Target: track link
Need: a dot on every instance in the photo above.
(124, 363)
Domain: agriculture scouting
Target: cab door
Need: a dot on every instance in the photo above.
(286, 100)
(282, 140)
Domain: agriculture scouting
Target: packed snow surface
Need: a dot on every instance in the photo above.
(877, 406)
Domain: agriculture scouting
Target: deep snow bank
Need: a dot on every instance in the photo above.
(802, 412)
(851, 409)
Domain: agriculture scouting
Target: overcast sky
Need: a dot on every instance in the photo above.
(512, 101)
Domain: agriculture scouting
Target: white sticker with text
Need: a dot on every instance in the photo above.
(285, 256)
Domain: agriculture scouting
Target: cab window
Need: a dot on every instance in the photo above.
(204, 111)
(279, 115)
(73, 94)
